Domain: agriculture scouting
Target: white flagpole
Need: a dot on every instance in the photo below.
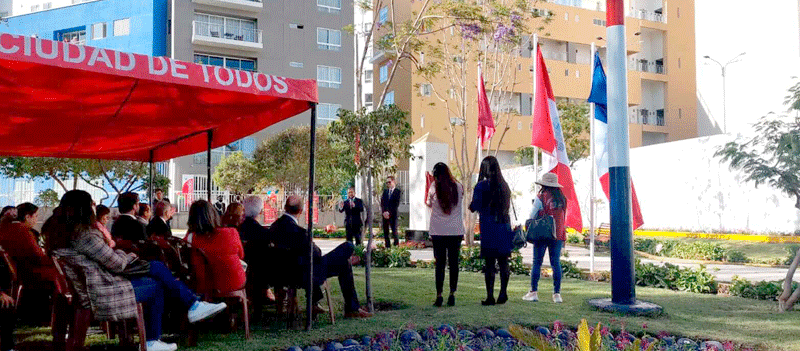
(592, 178)
(534, 58)
(478, 141)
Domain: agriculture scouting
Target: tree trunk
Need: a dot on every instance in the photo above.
(368, 253)
(788, 298)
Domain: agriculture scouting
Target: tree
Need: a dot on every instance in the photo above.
(238, 174)
(47, 198)
(160, 181)
(772, 157)
(575, 125)
(283, 161)
(375, 139)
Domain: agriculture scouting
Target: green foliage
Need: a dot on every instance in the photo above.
(772, 155)
(238, 174)
(574, 238)
(675, 277)
(762, 290)
(283, 160)
(322, 234)
(575, 125)
(693, 250)
(394, 257)
(471, 261)
(159, 182)
(47, 198)
(570, 269)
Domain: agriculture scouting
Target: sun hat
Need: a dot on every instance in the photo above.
(549, 179)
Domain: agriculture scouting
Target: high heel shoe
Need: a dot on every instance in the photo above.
(438, 302)
(502, 298)
(451, 301)
(488, 302)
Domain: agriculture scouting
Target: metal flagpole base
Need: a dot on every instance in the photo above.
(638, 308)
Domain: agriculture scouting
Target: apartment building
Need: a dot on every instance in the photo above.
(362, 25)
(661, 72)
(296, 39)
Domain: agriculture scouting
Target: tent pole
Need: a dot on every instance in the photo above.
(150, 186)
(312, 136)
(210, 135)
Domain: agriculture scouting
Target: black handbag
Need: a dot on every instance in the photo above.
(540, 229)
(136, 268)
(519, 238)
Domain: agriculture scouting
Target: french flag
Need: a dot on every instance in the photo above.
(600, 138)
(548, 135)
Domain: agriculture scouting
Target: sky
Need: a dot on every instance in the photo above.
(768, 32)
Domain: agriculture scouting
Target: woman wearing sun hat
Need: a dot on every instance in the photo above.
(549, 201)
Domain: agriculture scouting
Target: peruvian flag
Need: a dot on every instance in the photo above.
(548, 136)
(485, 121)
(600, 137)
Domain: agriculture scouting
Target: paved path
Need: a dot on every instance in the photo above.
(723, 272)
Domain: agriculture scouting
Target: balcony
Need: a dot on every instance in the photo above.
(241, 5)
(230, 37)
(646, 117)
(653, 16)
(644, 65)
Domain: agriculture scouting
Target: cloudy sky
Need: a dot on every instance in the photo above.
(768, 32)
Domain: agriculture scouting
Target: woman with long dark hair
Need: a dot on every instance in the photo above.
(492, 200)
(111, 293)
(221, 244)
(549, 202)
(445, 198)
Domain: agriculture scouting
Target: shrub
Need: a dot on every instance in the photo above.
(736, 256)
(762, 290)
(574, 238)
(322, 234)
(695, 250)
(675, 278)
(382, 257)
(472, 262)
(570, 269)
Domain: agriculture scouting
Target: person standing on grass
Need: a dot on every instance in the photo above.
(550, 201)
(390, 201)
(445, 198)
(492, 200)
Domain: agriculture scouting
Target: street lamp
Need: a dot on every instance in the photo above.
(723, 68)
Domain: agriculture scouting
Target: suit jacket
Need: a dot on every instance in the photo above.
(250, 229)
(352, 214)
(158, 227)
(128, 228)
(390, 202)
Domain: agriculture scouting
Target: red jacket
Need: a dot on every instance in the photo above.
(559, 214)
(225, 252)
(32, 264)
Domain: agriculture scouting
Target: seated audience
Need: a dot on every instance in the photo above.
(109, 292)
(144, 213)
(103, 214)
(337, 263)
(9, 213)
(234, 215)
(256, 239)
(250, 228)
(221, 245)
(159, 225)
(127, 226)
(19, 239)
(8, 317)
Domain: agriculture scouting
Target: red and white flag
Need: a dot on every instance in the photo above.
(485, 121)
(548, 136)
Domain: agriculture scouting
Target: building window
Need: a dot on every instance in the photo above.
(422, 121)
(383, 15)
(368, 76)
(296, 64)
(35, 8)
(329, 39)
(389, 98)
(384, 73)
(226, 27)
(327, 113)
(425, 89)
(243, 64)
(331, 6)
(98, 31)
(47, 6)
(122, 27)
(599, 22)
(295, 26)
(329, 77)
(367, 27)
(74, 37)
(368, 99)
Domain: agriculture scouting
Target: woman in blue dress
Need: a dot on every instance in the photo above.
(491, 199)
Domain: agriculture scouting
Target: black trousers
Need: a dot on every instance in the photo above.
(337, 264)
(353, 233)
(446, 251)
(387, 223)
(8, 321)
(489, 271)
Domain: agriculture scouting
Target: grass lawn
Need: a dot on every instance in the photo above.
(756, 251)
(693, 315)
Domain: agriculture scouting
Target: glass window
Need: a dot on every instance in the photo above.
(122, 27)
(327, 113)
(368, 76)
(75, 37)
(226, 27)
(329, 39)
(296, 64)
(229, 62)
(384, 73)
(216, 61)
(47, 5)
(383, 15)
(232, 63)
(389, 99)
(248, 65)
(201, 59)
(330, 6)
(98, 31)
(329, 77)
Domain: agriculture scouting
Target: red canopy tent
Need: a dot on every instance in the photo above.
(71, 101)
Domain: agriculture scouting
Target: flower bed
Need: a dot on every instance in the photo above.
(516, 338)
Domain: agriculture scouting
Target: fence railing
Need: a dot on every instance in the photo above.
(218, 30)
(648, 15)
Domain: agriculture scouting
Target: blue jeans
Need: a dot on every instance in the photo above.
(554, 249)
(151, 291)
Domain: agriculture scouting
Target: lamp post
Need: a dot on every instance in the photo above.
(724, 68)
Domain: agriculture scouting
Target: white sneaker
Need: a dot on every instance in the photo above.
(158, 345)
(557, 298)
(531, 296)
(202, 310)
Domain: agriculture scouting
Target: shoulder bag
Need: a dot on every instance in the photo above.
(542, 228)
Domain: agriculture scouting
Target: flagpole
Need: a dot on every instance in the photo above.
(592, 178)
(478, 139)
(534, 47)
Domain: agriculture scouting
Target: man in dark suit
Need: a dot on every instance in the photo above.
(159, 225)
(390, 201)
(127, 227)
(352, 208)
(337, 263)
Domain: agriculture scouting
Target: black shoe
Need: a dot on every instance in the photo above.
(502, 298)
(451, 300)
(438, 302)
(488, 302)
